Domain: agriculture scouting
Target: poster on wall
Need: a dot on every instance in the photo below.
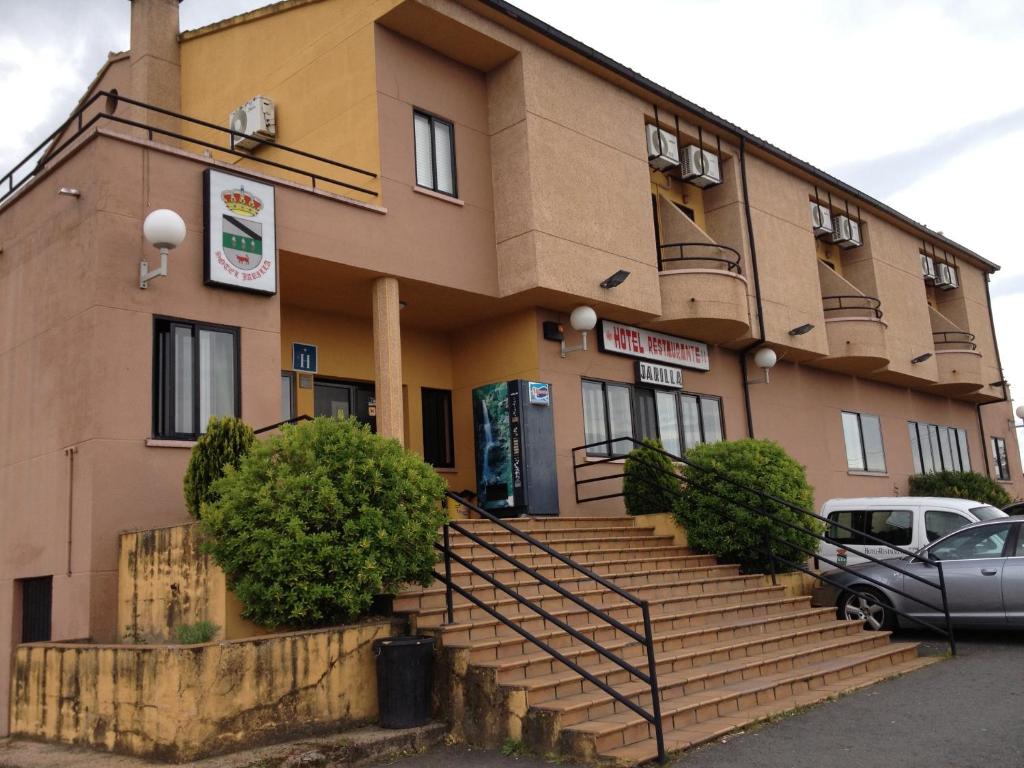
(498, 427)
(241, 245)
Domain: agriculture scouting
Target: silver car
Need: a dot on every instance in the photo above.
(983, 566)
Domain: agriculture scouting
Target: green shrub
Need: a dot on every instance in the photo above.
(648, 485)
(716, 522)
(319, 519)
(191, 634)
(960, 485)
(226, 441)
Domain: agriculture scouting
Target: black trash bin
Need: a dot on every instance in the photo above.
(405, 675)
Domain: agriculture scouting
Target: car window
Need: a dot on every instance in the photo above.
(939, 522)
(1020, 542)
(893, 526)
(987, 513)
(973, 544)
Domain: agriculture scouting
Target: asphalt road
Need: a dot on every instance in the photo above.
(965, 712)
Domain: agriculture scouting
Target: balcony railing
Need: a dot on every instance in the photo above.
(698, 252)
(852, 305)
(953, 340)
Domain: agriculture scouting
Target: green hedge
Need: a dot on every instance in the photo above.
(712, 509)
(225, 442)
(319, 519)
(648, 486)
(960, 485)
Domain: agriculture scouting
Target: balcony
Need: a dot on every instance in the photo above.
(958, 362)
(703, 291)
(856, 334)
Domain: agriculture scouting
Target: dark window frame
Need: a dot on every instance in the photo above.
(863, 446)
(290, 375)
(447, 461)
(163, 362)
(960, 450)
(1001, 460)
(431, 119)
(36, 625)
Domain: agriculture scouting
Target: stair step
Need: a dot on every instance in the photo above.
(586, 557)
(469, 550)
(685, 738)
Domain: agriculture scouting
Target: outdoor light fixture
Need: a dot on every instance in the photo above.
(69, 191)
(615, 280)
(1020, 415)
(581, 319)
(800, 330)
(765, 359)
(1000, 383)
(163, 229)
(920, 358)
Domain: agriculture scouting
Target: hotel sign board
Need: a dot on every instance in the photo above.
(241, 245)
(631, 341)
(656, 375)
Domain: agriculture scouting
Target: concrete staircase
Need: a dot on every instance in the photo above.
(731, 649)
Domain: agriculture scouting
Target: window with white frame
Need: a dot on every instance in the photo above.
(936, 448)
(435, 153)
(999, 459)
(862, 433)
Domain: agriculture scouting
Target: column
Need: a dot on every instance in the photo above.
(387, 358)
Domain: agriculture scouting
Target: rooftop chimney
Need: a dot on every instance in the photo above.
(155, 60)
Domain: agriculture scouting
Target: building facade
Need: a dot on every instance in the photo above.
(465, 177)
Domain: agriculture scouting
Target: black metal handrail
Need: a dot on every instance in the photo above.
(293, 420)
(649, 678)
(845, 302)
(954, 340)
(113, 98)
(768, 538)
(731, 257)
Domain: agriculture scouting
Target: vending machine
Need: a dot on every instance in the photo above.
(514, 435)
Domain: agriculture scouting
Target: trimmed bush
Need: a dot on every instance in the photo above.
(225, 442)
(191, 634)
(319, 519)
(715, 519)
(960, 485)
(648, 486)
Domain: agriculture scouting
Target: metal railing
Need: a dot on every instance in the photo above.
(759, 503)
(81, 124)
(867, 306)
(276, 425)
(954, 340)
(730, 257)
(649, 678)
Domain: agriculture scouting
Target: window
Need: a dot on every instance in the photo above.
(935, 448)
(938, 522)
(435, 153)
(893, 526)
(195, 377)
(973, 544)
(680, 420)
(863, 435)
(438, 444)
(36, 609)
(999, 459)
(287, 395)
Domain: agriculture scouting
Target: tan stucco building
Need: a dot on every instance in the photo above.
(495, 174)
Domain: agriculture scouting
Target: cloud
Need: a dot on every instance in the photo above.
(888, 174)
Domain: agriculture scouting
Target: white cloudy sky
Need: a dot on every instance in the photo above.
(917, 102)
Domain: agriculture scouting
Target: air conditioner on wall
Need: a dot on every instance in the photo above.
(255, 120)
(846, 232)
(662, 148)
(928, 268)
(946, 277)
(821, 220)
(700, 167)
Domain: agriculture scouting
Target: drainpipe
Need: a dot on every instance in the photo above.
(999, 363)
(757, 289)
(70, 453)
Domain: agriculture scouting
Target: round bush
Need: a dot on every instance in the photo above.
(226, 441)
(648, 485)
(960, 485)
(319, 519)
(717, 516)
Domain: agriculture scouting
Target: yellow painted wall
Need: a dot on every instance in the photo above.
(679, 192)
(830, 253)
(316, 62)
(183, 702)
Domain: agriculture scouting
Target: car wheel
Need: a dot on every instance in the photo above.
(869, 606)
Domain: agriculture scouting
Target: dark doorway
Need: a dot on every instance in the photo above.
(36, 608)
(345, 398)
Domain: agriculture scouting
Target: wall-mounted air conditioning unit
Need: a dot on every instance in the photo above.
(821, 220)
(946, 277)
(662, 148)
(846, 232)
(700, 167)
(254, 120)
(928, 268)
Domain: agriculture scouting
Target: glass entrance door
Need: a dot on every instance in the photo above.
(344, 399)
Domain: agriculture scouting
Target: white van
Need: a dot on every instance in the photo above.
(909, 522)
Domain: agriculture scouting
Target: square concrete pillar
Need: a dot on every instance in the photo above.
(387, 358)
